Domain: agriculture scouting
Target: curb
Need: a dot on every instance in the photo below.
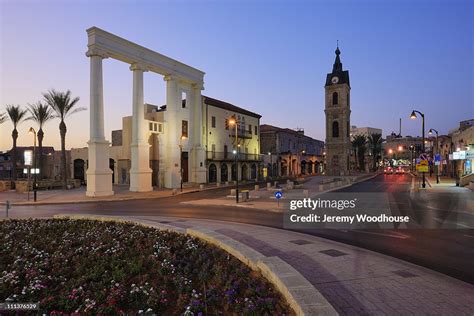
(116, 200)
(108, 200)
(349, 185)
(301, 295)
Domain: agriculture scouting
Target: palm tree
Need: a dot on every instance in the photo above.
(17, 115)
(375, 145)
(3, 117)
(40, 113)
(63, 105)
(359, 146)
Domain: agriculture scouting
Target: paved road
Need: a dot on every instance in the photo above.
(448, 251)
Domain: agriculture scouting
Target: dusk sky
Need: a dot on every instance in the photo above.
(270, 57)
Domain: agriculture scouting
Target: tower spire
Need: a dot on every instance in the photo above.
(337, 63)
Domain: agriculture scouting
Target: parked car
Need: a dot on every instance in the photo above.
(388, 170)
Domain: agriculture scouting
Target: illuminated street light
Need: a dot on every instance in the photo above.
(390, 151)
(400, 148)
(233, 121)
(413, 117)
(183, 137)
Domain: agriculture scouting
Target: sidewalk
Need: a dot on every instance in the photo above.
(121, 193)
(264, 198)
(446, 184)
(355, 281)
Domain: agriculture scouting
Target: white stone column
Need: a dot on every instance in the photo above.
(140, 172)
(99, 175)
(198, 168)
(172, 133)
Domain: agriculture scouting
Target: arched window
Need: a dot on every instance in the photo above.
(335, 98)
(335, 129)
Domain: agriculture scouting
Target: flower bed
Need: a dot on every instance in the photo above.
(90, 267)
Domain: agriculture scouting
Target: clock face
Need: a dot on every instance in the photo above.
(335, 79)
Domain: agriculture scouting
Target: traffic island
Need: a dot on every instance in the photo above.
(116, 267)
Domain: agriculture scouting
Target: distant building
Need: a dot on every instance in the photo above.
(462, 148)
(289, 152)
(365, 131)
(51, 163)
(403, 147)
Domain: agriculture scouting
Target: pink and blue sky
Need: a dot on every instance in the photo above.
(270, 57)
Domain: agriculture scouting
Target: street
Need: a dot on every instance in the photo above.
(449, 251)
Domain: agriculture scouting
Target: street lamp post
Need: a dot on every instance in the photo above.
(32, 130)
(271, 164)
(413, 116)
(233, 121)
(411, 157)
(437, 151)
(181, 159)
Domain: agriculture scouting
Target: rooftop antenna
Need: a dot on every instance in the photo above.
(337, 43)
(400, 130)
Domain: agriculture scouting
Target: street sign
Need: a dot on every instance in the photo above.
(278, 196)
(459, 155)
(424, 156)
(422, 166)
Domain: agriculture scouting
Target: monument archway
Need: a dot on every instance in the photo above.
(180, 78)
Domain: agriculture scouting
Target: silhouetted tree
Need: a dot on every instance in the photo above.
(63, 105)
(40, 113)
(16, 115)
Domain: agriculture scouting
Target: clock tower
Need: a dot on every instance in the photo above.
(338, 122)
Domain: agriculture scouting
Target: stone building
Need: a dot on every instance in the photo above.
(51, 165)
(367, 132)
(462, 149)
(338, 113)
(219, 142)
(289, 152)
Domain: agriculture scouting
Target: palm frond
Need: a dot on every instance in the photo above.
(61, 103)
(3, 117)
(16, 114)
(40, 113)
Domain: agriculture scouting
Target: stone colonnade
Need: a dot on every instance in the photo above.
(179, 78)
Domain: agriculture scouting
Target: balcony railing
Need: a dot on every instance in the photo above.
(228, 156)
(240, 134)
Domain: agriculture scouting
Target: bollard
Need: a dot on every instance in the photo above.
(275, 184)
(218, 184)
(7, 206)
(305, 193)
(232, 192)
(269, 185)
(257, 187)
(174, 192)
(201, 187)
